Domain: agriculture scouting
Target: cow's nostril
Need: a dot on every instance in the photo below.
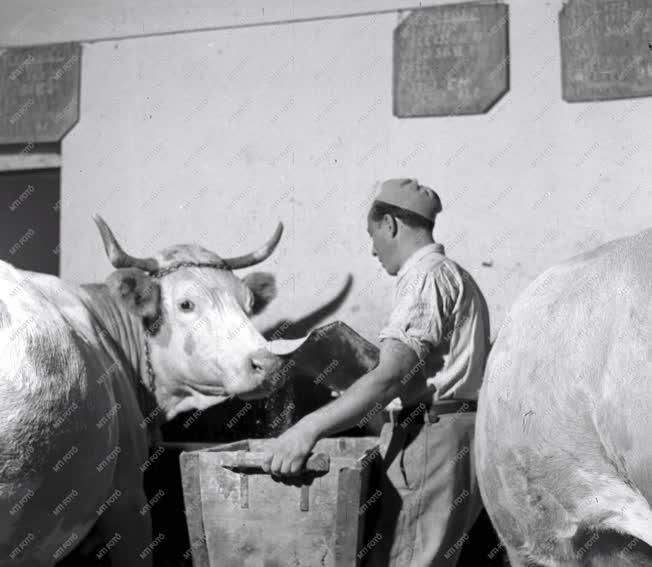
(262, 365)
(256, 364)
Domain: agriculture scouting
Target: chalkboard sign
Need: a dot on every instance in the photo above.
(604, 49)
(451, 59)
(39, 92)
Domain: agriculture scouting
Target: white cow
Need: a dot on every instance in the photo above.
(564, 424)
(85, 373)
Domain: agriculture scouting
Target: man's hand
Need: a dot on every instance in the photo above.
(398, 365)
(289, 451)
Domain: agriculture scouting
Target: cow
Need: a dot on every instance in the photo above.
(564, 458)
(88, 372)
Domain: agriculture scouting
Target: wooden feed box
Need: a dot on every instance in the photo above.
(239, 516)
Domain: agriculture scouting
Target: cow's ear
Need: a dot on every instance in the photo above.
(136, 290)
(263, 288)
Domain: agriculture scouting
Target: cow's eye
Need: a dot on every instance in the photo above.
(186, 305)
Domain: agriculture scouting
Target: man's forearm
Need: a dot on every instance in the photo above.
(363, 399)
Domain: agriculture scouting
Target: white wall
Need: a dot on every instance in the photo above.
(214, 136)
(31, 22)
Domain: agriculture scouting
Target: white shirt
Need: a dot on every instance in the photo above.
(440, 313)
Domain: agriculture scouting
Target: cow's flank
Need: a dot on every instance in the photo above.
(563, 452)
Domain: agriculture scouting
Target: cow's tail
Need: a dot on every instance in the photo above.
(620, 536)
(635, 519)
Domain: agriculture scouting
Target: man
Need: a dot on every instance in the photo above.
(432, 357)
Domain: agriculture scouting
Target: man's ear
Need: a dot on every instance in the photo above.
(263, 288)
(136, 290)
(391, 223)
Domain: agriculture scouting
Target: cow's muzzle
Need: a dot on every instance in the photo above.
(265, 372)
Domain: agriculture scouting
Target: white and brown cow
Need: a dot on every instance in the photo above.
(85, 372)
(564, 424)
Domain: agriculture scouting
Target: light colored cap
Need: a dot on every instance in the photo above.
(409, 195)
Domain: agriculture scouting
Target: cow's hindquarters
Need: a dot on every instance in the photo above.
(563, 452)
(57, 441)
(70, 423)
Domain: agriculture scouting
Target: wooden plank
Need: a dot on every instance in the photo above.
(191, 481)
(604, 49)
(244, 491)
(35, 160)
(254, 461)
(304, 498)
(271, 530)
(346, 532)
(283, 523)
(186, 446)
(40, 92)
(451, 60)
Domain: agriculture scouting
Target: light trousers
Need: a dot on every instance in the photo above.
(429, 494)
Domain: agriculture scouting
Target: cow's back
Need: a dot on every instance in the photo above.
(564, 416)
(58, 426)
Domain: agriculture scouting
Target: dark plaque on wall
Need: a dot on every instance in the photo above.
(39, 92)
(604, 49)
(451, 59)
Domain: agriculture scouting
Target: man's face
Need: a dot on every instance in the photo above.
(383, 243)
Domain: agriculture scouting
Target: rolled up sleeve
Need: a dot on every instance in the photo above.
(419, 312)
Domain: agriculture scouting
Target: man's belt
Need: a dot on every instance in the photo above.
(429, 413)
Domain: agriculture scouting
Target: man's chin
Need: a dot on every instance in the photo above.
(388, 270)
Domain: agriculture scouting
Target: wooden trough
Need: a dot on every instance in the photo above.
(239, 516)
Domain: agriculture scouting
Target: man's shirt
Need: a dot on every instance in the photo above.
(440, 312)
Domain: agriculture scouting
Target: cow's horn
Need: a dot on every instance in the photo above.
(118, 257)
(259, 255)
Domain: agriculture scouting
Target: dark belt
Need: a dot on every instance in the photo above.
(429, 413)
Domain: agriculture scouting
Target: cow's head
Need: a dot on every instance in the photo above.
(202, 345)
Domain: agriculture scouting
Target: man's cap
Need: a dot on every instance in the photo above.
(409, 195)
